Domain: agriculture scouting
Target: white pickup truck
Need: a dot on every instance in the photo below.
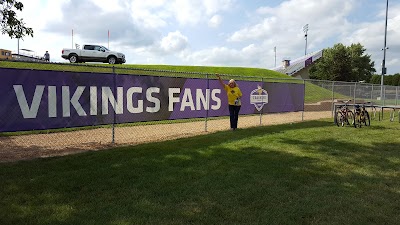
(93, 53)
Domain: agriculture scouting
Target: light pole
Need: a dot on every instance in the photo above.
(384, 49)
(275, 55)
(72, 41)
(305, 29)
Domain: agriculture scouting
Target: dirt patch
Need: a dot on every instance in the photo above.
(26, 147)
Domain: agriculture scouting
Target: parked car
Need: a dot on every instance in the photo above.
(93, 53)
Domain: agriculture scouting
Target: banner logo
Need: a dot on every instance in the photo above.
(259, 97)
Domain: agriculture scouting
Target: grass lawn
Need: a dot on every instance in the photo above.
(303, 173)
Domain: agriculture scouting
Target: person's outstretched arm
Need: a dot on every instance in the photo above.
(220, 80)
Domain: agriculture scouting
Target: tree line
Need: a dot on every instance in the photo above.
(392, 80)
(351, 64)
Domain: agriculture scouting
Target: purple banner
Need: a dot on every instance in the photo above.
(308, 62)
(36, 100)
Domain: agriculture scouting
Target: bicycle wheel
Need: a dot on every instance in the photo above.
(338, 118)
(350, 118)
(367, 121)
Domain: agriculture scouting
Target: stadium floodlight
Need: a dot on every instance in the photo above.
(305, 30)
(384, 50)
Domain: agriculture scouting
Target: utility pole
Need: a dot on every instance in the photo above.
(275, 55)
(72, 36)
(305, 29)
(384, 50)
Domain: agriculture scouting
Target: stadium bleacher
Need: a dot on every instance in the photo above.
(292, 68)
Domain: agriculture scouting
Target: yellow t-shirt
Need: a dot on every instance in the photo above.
(233, 94)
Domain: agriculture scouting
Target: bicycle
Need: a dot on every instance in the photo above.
(344, 115)
(361, 115)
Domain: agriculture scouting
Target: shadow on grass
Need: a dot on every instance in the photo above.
(210, 179)
(17, 147)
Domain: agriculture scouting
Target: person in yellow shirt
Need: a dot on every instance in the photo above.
(234, 94)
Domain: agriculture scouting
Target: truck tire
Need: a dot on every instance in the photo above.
(73, 58)
(112, 60)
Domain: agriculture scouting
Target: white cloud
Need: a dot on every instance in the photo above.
(214, 6)
(215, 21)
(150, 14)
(247, 56)
(172, 31)
(325, 18)
(371, 36)
(174, 42)
(192, 12)
(259, 31)
(109, 6)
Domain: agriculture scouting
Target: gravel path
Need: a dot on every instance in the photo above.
(26, 147)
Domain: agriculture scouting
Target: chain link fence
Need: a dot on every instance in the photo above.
(376, 97)
(319, 99)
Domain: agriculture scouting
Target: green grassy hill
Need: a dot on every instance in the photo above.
(255, 72)
(129, 68)
(314, 93)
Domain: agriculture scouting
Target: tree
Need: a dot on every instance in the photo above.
(362, 67)
(387, 80)
(334, 65)
(10, 24)
(398, 84)
(392, 80)
(396, 80)
(342, 63)
(375, 79)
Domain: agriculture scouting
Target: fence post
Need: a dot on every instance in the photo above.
(114, 116)
(261, 111)
(333, 99)
(350, 87)
(384, 95)
(208, 102)
(372, 92)
(397, 94)
(355, 88)
(304, 100)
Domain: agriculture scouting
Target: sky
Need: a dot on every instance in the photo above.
(238, 33)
